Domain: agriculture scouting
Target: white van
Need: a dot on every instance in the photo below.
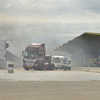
(62, 62)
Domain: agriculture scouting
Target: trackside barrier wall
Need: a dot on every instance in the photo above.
(10, 68)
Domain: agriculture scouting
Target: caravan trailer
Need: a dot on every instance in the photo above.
(62, 62)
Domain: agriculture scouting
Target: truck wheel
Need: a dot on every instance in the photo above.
(64, 69)
(70, 68)
(53, 66)
(48, 67)
(26, 68)
(41, 66)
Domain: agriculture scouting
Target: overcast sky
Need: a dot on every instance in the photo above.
(52, 22)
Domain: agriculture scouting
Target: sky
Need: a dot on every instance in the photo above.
(52, 22)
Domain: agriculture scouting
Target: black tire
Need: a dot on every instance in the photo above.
(42, 66)
(50, 67)
(53, 66)
(65, 69)
(26, 68)
(69, 68)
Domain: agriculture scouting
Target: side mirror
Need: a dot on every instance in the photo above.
(22, 53)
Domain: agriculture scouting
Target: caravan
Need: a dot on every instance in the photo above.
(62, 62)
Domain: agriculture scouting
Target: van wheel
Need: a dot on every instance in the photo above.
(64, 69)
(55, 68)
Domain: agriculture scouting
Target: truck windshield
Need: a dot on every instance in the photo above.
(30, 54)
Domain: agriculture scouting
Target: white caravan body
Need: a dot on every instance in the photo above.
(61, 62)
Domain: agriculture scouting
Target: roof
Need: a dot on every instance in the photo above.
(92, 33)
(37, 44)
(60, 57)
(84, 46)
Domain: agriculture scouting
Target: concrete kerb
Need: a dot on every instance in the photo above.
(91, 69)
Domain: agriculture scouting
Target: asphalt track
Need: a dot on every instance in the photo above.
(48, 75)
(49, 85)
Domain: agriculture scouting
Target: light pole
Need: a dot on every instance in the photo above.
(6, 46)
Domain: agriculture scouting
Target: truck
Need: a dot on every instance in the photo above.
(34, 57)
(62, 62)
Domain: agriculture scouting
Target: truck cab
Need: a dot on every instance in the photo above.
(34, 56)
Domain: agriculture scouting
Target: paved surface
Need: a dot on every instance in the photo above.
(49, 85)
(87, 69)
(29, 90)
(59, 75)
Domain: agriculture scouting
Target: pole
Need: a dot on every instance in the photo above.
(6, 51)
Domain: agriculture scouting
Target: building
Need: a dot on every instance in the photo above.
(84, 48)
